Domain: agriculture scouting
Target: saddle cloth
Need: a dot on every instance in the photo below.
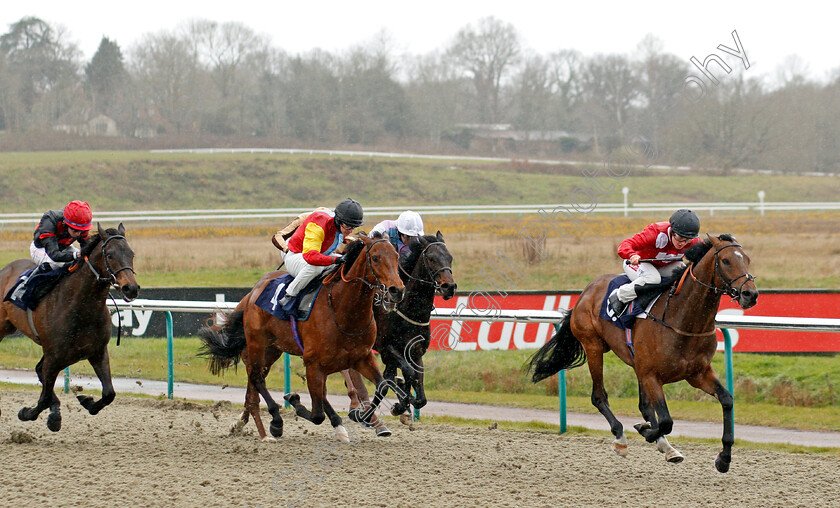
(33, 285)
(647, 296)
(269, 299)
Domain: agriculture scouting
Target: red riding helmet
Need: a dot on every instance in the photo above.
(77, 215)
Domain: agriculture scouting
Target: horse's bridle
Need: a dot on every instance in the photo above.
(432, 274)
(111, 280)
(380, 290)
(727, 289)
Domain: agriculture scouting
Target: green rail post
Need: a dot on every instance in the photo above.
(287, 377)
(170, 356)
(67, 380)
(561, 392)
(730, 377)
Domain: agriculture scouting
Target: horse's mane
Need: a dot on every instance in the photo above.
(416, 249)
(94, 240)
(351, 252)
(696, 253)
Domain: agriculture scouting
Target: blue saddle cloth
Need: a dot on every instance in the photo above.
(269, 299)
(33, 285)
(625, 321)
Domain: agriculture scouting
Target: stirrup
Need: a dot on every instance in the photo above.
(618, 307)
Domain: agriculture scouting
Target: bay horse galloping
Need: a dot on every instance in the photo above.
(676, 342)
(72, 322)
(338, 335)
(403, 336)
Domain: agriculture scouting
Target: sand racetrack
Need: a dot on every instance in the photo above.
(145, 452)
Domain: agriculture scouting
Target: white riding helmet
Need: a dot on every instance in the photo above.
(410, 224)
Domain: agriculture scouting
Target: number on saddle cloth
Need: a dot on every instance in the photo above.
(33, 285)
(274, 291)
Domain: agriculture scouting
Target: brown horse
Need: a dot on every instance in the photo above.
(676, 342)
(403, 336)
(338, 335)
(72, 322)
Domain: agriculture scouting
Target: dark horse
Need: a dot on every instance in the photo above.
(676, 342)
(72, 322)
(403, 336)
(338, 335)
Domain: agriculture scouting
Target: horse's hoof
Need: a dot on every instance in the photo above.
(341, 434)
(54, 422)
(405, 419)
(237, 426)
(276, 430)
(292, 398)
(641, 427)
(268, 439)
(85, 400)
(674, 457)
(353, 415)
(24, 415)
(620, 449)
(383, 431)
(721, 465)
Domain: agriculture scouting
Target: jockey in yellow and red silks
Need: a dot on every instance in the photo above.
(312, 246)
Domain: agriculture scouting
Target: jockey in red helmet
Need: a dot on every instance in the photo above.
(58, 229)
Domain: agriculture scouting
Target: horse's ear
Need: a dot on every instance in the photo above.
(440, 237)
(101, 231)
(121, 229)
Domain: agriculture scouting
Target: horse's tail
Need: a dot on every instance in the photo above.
(562, 351)
(223, 344)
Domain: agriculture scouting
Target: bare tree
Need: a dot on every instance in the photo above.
(487, 53)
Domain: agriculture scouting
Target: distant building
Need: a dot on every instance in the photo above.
(100, 125)
(500, 138)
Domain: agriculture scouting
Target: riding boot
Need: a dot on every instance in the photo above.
(618, 307)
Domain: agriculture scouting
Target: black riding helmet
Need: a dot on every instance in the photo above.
(349, 212)
(685, 223)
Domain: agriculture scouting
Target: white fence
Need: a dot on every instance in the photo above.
(260, 214)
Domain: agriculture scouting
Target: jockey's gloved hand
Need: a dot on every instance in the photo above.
(339, 260)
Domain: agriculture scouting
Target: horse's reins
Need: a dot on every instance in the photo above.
(112, 280)
(728, 290)
(376, 287)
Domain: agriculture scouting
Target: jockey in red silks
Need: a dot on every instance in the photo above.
(657, 240)
(312, 245)
(56, 233)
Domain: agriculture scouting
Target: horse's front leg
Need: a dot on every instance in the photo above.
(102, 366)
(646, 408)
(709, 383)
(419, 390)
(368, 368)
(48, 399)
(362, 402)
(662, 424)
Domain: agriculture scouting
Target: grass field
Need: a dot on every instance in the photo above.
(788, 250)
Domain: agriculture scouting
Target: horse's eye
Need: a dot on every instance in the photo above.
(375, 259)
(726, 262)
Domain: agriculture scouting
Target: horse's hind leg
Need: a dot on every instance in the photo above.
(48, 399)
(709, 383)
(102, 366)
(671, 454)
(595, 361)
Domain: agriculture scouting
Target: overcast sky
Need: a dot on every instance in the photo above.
(769, 35)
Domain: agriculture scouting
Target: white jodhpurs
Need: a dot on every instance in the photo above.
(642, 274)
(39, 256)
(302, 271)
